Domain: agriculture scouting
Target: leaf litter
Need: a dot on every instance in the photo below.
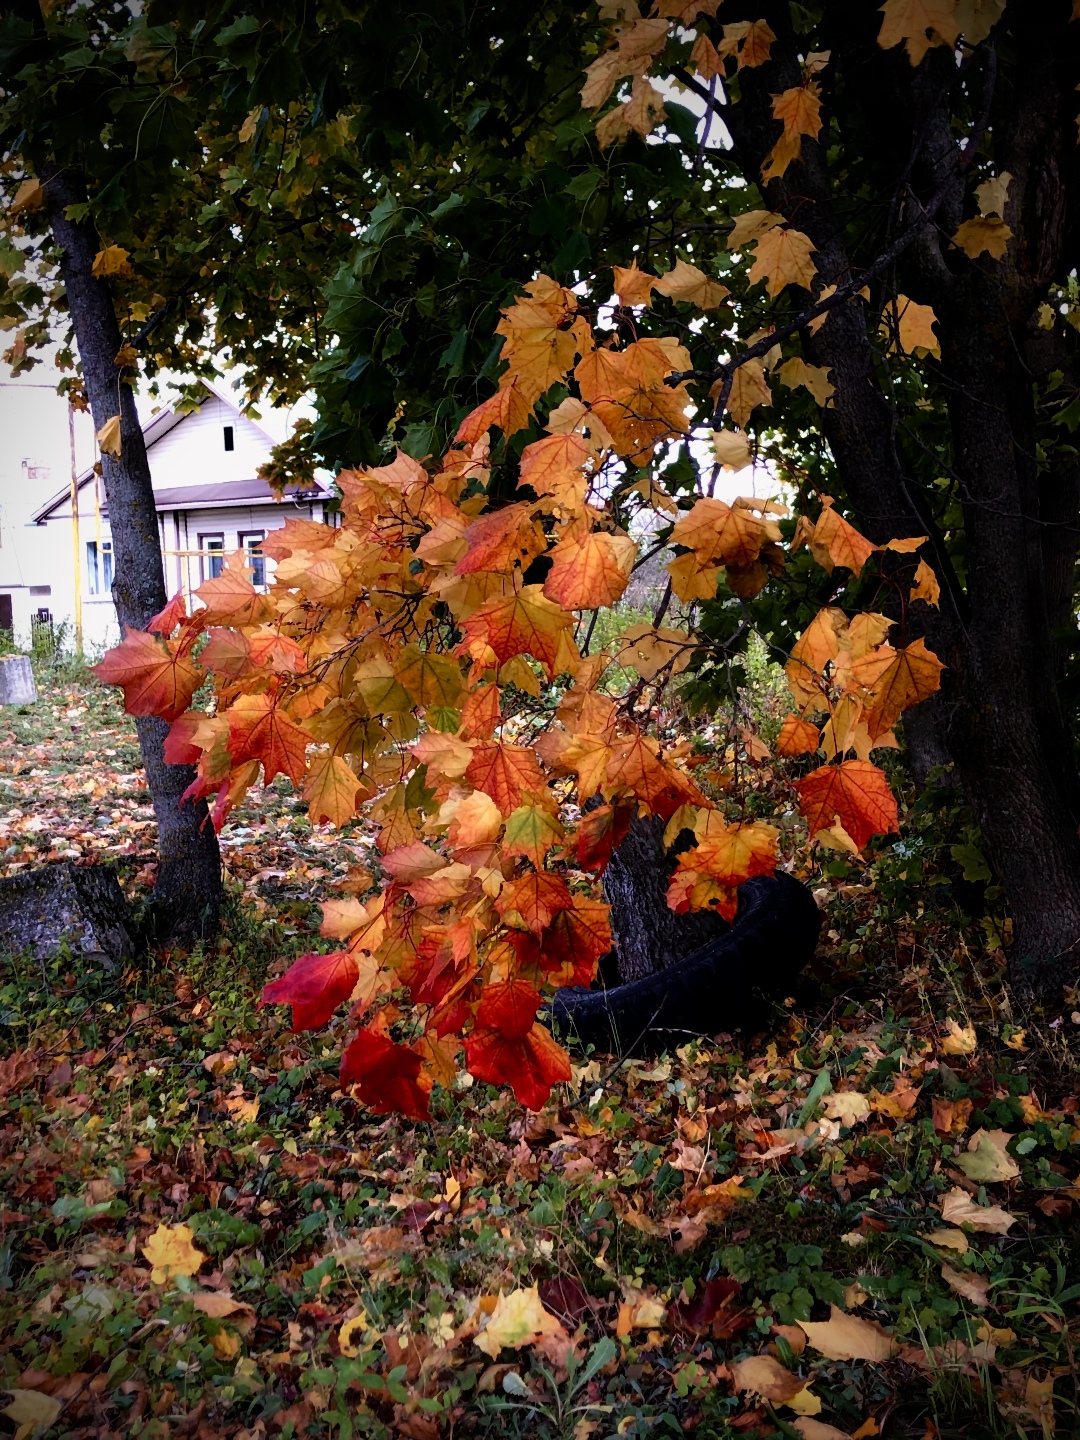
(200, 1235)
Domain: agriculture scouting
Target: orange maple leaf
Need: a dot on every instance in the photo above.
(231, 599)
(526, 623)
(259, 730)
(501, 539)
(836, 542)
(731, 854)
(507, 408)
(509, 774)
(797, 737)
(535, 898)
(156, 679)
(911, 675)
(857, 792)
(591, 571)
(715, 530)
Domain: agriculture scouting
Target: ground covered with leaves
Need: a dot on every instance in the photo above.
(864, 1223)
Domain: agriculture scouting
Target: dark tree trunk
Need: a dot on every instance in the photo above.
(187, 894)
(648, 935)
(998, 717)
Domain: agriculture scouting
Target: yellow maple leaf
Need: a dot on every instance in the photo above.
(750, 226)
(983, 234)
(634, 286)
(993, 194)
(29, 196)
(836, 542)
(170, 1252)
(641, 113)
(799, 109)
(926, 585)
(113, 260)
(692, 578)
(814, 378)
(108, 437)
(518, 1319)
(331, 789)
(782, 258)
(914, 324)
(920, 24)
(732, 449)
(749, 388)
(848, 1337)
(687, 283)
(706, 59)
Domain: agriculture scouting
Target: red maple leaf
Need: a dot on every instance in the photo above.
(155, 679)
(178, 747)
(509, 1007)
(600, 832)
(315, 985)
(166, 621)
(387, 1076)
(531, 1065)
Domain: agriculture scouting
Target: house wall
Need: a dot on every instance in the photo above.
(193, 451)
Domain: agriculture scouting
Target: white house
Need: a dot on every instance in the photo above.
(209, 500)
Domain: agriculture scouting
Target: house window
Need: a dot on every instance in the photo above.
(251, 544)
(212, 556)
(99, 567)
(230, 439)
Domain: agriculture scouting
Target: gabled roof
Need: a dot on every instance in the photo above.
(155, 429)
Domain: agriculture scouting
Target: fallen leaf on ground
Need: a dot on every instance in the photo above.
(170, 1252)
(766, 1377)
(518, 1319)
(972, 1287)
(987, 1160)
(848, 1337)
(958, 1208)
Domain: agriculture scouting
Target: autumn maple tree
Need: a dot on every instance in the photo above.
(425, 664)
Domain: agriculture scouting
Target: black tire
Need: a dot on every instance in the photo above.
(730, 984)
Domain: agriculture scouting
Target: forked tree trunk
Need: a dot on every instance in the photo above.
(187, 894)
(999, 716)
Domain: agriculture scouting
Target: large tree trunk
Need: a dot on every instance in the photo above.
(187, 894)
(999, 716)
(648, 935)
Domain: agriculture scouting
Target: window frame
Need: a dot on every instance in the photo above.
(253, 555)
(99, 567)
(206, 571)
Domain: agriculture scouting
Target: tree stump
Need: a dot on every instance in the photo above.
(17, 681)
(82, 907)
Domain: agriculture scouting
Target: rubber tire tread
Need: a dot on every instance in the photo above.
(732, 983)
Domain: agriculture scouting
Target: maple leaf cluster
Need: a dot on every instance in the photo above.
(392, 665)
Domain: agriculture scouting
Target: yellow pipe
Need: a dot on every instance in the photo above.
(77, 548)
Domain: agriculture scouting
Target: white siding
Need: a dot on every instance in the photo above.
(193, 452)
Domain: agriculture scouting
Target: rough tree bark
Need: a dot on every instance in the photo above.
(648, 935)
(999, 717)
(187, 893)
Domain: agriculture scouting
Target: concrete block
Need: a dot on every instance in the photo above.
(17, 681)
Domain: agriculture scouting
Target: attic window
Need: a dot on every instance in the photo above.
(230, 443)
